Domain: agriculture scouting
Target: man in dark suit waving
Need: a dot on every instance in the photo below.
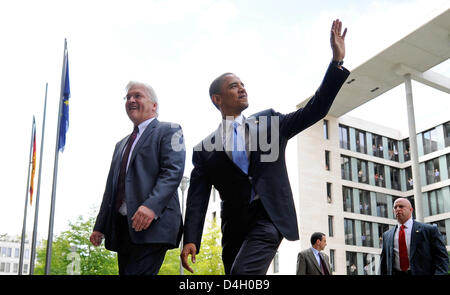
(244, 160)
(411, 247)
(140, 216)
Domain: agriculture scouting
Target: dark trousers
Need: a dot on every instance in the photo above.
(253, 254)
(137, 259)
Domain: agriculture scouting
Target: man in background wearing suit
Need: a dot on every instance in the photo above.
(257, 208)
(411, 247)
(140, 216)
(313, 262)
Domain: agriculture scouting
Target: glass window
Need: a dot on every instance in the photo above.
(432, 170)
(448, 165)
(393, 149)
(382, 206)
(329, 193)
(429, 141)
(370, 264)
(379, 175)
(382, 228)
(9, 252)
(352, 263)
(15, 268)
(361, 145)
(347, 194)
(349, 226)
(366, 234)
(332, 260)
(325, 129)
(363, 175)
(330, 226)
(441, 226)
(395, 178)
(346, 168)
(377, 145)
(3, 252)
(327, 160)
(406, 153)
(364, 202)
(2, 267)
(436, 202)
(344, 137)
(16, 252)
(409, 179)
(447, 134)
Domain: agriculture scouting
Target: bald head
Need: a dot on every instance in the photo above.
(402, 210)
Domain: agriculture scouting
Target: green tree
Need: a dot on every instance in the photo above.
(208, 261)
(73, 247)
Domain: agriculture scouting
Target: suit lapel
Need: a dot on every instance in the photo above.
(312, 257)
(118, 160)
(414, 232)
(252, 146)
(149, 130)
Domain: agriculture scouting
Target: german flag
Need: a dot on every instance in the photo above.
(33, 162)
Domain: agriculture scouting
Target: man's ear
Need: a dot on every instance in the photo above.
(216, 99)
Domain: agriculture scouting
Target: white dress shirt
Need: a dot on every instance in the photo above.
(408, 229)
(227, 132)
(141, 127)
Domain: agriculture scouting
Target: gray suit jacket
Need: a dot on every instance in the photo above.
(155, 170)
(307, 263)
(427, 254)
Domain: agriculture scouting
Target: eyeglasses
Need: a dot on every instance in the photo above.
(136, 96)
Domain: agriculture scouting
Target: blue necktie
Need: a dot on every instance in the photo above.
(239, 155)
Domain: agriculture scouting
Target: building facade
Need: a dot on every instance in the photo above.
(10, 253)
(350, 173)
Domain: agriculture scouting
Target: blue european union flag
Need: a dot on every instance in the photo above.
(64, 125)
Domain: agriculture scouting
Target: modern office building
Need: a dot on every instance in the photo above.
(9, 255)
(351, 170)
(360, 168)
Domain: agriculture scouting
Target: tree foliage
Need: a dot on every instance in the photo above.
(208, 261)
(73, 253)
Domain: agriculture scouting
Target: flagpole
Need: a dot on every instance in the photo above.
(55, 169)
(36, 213)
(22, 240)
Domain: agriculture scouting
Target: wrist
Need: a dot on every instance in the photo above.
(337, 63)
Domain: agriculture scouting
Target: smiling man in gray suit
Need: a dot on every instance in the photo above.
(140, 216)
(312, 261)
(411, 247)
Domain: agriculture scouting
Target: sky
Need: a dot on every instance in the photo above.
(279, 49)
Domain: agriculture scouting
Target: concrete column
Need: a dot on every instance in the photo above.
(413, 148)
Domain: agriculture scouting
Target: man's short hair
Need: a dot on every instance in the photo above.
(150, 91)
(316, 236)
(216, 85)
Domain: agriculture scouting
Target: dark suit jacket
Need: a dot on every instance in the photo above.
(428, 255)
(307, 263)
(269, 179)
(154, 173)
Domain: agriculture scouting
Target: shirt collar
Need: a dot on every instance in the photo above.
(408, 223)
(239, 119)
(315, 251)
(144, 124)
